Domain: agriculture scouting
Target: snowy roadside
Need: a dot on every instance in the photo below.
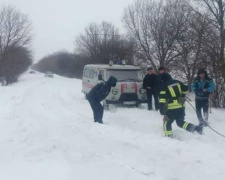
(46, 132)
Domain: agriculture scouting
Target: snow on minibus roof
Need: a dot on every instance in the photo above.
(113, 67)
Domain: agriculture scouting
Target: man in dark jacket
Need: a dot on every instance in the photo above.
(202, 86)
(149, 84)
(172, 105)
(97, 94)
(159, 80)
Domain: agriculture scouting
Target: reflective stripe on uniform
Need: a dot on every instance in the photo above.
(179, 87)
(164, 125)
(166, 132)
(162, 92)
(184, 92)
(175, 84)
(174, 106)
(185, 125)
(172, 92)
(162, 100)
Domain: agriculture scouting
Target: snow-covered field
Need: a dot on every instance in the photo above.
(47, 133)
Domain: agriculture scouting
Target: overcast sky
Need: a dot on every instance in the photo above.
(56, 23)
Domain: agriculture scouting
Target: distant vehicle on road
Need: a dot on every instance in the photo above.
(32, 72)
(49, 74)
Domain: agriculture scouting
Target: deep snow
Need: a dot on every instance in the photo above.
(47, 133)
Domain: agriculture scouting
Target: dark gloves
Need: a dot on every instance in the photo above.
(199, 92)
(181, 100)
(162, 108)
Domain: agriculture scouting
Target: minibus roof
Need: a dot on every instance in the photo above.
(113, 67)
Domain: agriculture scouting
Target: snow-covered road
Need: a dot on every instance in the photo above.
(47, 133)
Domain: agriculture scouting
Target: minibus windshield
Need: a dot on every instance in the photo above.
(126, 75)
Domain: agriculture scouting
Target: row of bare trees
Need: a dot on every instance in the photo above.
(15, 38)
(99, 43)
(213, 12)
(180, 36)
(62, 63)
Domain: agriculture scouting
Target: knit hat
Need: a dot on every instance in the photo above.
(112, 81)
(201, 70)
(161, 68)
(149, 68)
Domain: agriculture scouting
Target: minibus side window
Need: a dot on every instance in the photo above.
(86, 72)
(91, 73)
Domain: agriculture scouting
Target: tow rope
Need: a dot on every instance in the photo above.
(188, 100)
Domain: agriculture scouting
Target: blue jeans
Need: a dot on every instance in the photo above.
(202, 104)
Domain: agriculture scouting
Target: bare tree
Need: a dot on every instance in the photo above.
(217, 10)
(15, 33)
(191, 43)
(213, 11)
(102, 43)
(18, 61)
(156, 27)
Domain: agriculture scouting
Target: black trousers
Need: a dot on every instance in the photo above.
(178, 116)
(202, 104)
(153, 93)
(97, 110)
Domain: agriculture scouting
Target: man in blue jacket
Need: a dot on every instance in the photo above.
(202, 86)
(97, 94)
